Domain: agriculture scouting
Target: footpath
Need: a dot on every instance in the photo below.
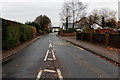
(109, 54)
(5, 54)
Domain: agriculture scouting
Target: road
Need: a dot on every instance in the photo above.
(52, 57)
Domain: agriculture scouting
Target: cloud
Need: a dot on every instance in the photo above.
(28, 11)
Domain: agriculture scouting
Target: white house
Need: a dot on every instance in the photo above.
(96, 26)
(70, 25)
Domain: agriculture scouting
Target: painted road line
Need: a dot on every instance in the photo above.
(46, 55)
(59, 74)
(51, 71)
(39, 75)
(49, 59)
(50, 41)
(50, 45)
(54, 49)
(80, 48)
(53, 55)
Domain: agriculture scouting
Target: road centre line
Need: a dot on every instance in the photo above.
(49, 59)
(50, 41)
(52, 71)
(46, 55)
(39, 75)
(50, 45)
(53, 55)
(59, 74)
(54, 49)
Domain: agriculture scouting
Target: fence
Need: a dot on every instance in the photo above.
(112, 40)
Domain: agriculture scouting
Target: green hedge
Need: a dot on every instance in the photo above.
(26, 33)
(14, 33)
(70, 30)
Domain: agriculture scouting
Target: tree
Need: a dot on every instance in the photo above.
(78, 10)
(36, 25)
(72, 11)
(103, 15)
(111, 22)
(65, 13)
(43, 21)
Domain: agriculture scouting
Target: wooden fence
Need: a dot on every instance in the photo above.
(112, 40)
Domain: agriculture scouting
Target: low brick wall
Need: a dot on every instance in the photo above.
(67, 34)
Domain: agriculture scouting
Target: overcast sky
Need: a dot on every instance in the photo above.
(28, 10)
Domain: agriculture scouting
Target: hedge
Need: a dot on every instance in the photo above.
(14, 33)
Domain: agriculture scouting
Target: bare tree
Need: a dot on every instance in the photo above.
(77, 10)
(65, 13)
(103, 15)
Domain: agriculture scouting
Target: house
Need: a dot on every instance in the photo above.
(70, 25)
(83, 22)
(55, 29)
(96, 26)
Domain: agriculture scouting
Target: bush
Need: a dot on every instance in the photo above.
(33, 32)
(88, 30)
(13, 33)
(70, 30)
(26, 33)
(41, 32)
(60, 29)
(10, 34)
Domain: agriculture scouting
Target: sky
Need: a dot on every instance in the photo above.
(28, 10)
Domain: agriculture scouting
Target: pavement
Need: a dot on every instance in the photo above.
(52, 58)
(109, 54)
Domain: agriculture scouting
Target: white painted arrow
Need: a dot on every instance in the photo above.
(50, 45)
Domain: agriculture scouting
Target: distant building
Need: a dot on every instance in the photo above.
(96, 26)
(70, 25)
(55, 29)
(83, 22)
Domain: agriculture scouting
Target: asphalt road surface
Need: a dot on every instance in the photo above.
(51, 57)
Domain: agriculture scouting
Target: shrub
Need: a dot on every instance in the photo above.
(60, 29)
(40, 32)
(33, 32)
(88, 30)
(13, 33)
(70, 30)
(26, 33)
(10, 34)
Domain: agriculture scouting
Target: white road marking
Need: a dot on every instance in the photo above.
(50, 41)
(59, 74)
(54, 49)
(49, 59)
(53, 55)
(80, 48)
(52, 71)
(39, 75)
(46, 55)
(50, 45)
